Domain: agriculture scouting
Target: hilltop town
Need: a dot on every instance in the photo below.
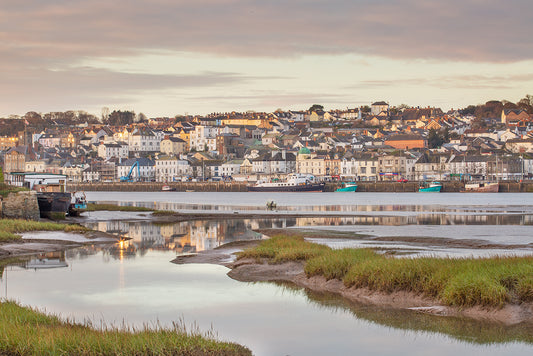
(377, 142)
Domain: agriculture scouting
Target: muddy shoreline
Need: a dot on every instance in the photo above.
(250, 270)
(29, 246)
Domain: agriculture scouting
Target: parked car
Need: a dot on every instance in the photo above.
(402, 180)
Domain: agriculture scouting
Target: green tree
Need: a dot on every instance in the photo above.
(316, 107)
(526, 104)
(434, 139)
(366, 109)
(403, 106)
(118, 118)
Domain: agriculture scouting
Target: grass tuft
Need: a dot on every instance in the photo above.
(460, 282)
(279, 249)
(24, 331)
(10, 228)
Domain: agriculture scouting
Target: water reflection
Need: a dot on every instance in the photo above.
(464, 329)
(47, 260)
(182, 237)
(271, 319)
(333, 208)
(200, 235)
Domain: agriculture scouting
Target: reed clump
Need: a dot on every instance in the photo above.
(24, 331)
(113, 207)
(462, 282)
(279, 249)
(10, 228)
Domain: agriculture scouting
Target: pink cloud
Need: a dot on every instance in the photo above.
(469, 30)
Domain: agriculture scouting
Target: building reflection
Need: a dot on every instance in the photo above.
(138, 237)
(183, 237)
(47, 260)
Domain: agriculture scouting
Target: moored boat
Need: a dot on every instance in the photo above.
(53, 204)
(167, 188)
(78, 204)
(294, 183)
(347, 187)
(435, 187)
(481, 187)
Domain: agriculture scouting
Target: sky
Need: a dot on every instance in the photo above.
(174, 57)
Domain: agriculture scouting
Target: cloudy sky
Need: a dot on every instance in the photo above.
(170, 57)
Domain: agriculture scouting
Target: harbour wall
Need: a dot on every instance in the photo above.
(21, 205)
(451, 186)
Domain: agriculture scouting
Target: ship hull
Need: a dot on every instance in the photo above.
(347, 188)
(430, 189)
(288, 188)
(53, 205)
(75, 209)
(482, 188)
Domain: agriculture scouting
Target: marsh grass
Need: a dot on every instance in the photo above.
(5, 189)
(460, 282)
(9, 228)
(280, 248)
(113, 207)
(24, 331)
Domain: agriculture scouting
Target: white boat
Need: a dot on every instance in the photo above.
(295, 183)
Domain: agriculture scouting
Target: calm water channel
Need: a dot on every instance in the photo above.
(135, 282)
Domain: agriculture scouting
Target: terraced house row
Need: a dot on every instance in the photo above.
(373, 143)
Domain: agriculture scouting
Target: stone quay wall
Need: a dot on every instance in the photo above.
(21, 205)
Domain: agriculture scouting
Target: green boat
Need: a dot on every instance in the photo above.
(431, 187)
(348, 187)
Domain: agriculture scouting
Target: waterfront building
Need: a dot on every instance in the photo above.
(171, 169)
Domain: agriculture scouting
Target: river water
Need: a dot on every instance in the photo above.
(135, 283)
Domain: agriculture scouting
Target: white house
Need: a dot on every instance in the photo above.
(144, 141)
(113, 150)
(378, 107)
(203, 136)
(364, 168)
(171, 169)
(231, 168)
(275, 162)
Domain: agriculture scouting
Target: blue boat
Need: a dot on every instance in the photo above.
(78, 204)
(435, 187)
(348, 187)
